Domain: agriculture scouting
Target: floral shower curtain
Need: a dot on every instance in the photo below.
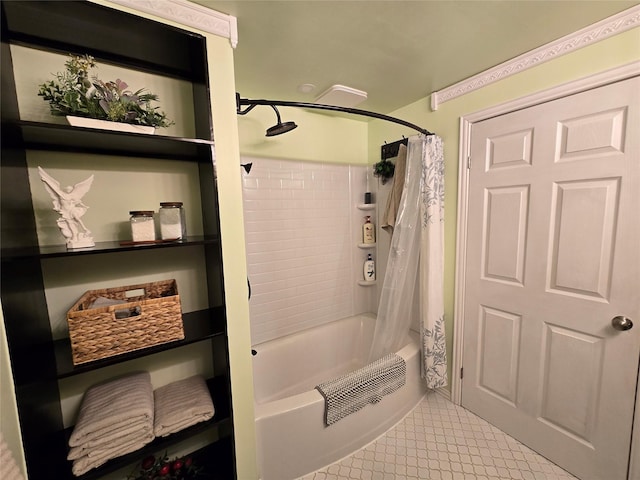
(431, 276)
(412, 292)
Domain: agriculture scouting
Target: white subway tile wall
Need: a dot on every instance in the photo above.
(301, 242)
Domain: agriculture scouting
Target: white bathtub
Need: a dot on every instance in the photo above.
(292, 437)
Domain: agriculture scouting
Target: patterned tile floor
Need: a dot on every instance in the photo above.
(442, 441)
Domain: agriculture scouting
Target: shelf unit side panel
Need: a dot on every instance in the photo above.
(21, 292)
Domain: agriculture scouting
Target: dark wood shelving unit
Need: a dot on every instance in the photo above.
(39, 360)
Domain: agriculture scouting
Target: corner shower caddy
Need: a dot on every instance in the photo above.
(366, 207)
(366, 246)
(40, 362)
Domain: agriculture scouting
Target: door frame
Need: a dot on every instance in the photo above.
(466, 124)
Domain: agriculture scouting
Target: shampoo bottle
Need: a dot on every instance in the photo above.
(369, 269)
(368, 231)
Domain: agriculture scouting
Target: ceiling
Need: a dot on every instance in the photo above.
(397, 51)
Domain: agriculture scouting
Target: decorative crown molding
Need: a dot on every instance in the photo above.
(606, 28)
(190, 14)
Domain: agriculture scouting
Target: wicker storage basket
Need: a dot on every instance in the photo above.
(152, 316)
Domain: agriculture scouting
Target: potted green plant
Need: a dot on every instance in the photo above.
(384, 169)
(74, 95)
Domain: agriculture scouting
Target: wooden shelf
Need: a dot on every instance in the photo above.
(198, 326)
(55, 137)
(53, 251)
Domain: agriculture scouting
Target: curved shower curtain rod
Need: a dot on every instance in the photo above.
(250, 104)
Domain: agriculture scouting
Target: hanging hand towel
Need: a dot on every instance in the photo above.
(181, 404)
(388, 219)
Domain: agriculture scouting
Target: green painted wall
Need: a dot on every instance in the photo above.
(445, 122)
(338, 139)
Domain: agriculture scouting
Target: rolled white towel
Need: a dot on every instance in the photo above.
(109, 407)
(181, 404)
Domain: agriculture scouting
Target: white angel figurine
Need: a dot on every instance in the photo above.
(68, 203)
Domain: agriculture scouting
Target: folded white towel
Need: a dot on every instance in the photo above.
(126, 434)
(95, 459)
(181, 404)
(112, 406)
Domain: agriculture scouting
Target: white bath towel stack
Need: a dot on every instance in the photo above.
(181, 404)
(115, 418)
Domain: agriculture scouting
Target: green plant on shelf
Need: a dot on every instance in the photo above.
(161, 468)
(72, 92)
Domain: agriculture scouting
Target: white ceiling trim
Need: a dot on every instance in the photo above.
(190, 14)
(606, 28)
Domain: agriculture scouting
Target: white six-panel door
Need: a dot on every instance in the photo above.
(553, 256)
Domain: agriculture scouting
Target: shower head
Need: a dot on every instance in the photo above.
(246, 166)
(280, 128)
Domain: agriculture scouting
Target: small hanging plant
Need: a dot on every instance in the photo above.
(384, 169)
(73, 93)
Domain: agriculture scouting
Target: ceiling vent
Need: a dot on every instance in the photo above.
(342, 96)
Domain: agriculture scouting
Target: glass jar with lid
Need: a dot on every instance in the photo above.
(143, 227)
(172, 221)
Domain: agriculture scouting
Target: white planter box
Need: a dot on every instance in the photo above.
(107, 125)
